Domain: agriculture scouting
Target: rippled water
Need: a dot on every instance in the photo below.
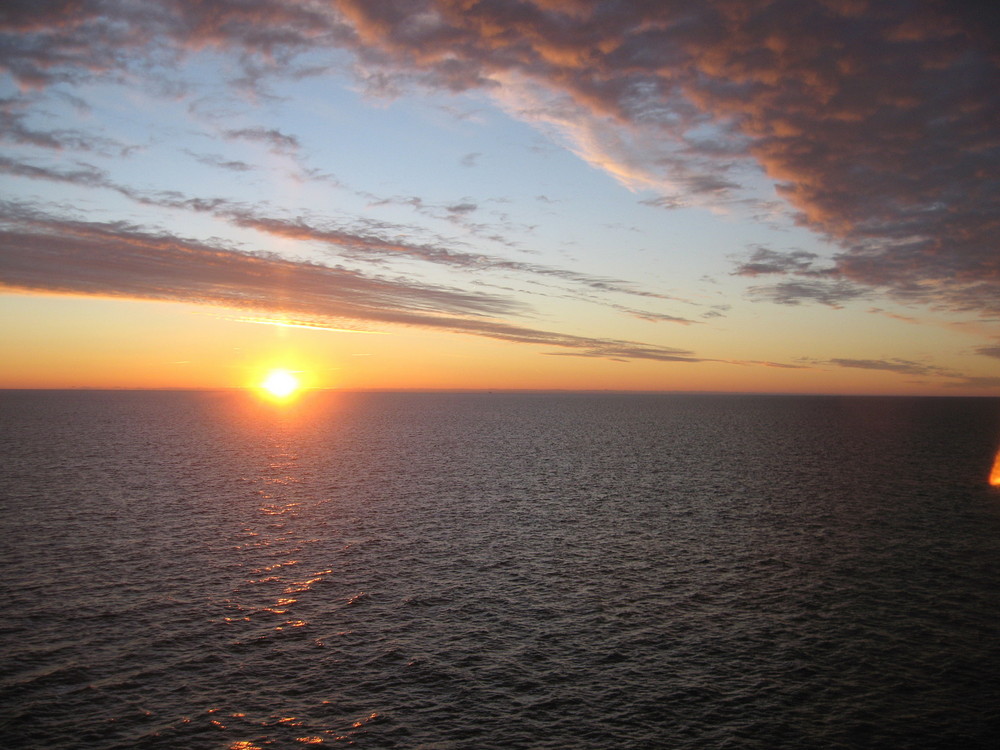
(203, 570)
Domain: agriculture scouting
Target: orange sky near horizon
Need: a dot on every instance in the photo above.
(127, 344)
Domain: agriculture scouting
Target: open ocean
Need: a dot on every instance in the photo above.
(451, 571)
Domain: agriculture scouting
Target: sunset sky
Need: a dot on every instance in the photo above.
(728, 195)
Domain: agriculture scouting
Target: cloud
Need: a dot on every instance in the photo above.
(15, 129)
(909, 367)
(84, 174)
(989, 351)
(765, 261)
(52, 254)
(901, 366)
(214, 160)
(347, 240)
(778, 365)
(831, 293)
(973, 381)
(876, 121)
(275, 140)
(655, 317)
(67, 41)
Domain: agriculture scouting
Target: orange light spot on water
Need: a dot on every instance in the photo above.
(995, 473)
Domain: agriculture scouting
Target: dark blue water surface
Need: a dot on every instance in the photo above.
(205, 570)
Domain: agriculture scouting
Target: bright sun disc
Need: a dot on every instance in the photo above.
(280, 383)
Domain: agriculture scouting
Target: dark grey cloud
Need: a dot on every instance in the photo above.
(831, 293)
(764, 261)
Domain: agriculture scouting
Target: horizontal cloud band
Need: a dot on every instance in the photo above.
(44, 253)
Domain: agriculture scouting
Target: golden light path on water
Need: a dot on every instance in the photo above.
(279, 591)
(995, 473)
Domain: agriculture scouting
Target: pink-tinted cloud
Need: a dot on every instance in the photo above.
(877, 120)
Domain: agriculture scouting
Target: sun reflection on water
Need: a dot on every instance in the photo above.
(285, 589)
(995, 473)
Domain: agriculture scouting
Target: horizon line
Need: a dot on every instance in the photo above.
(497, 391)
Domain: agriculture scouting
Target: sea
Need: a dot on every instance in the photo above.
(498, 570)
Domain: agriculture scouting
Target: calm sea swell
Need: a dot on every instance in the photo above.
(202, 570)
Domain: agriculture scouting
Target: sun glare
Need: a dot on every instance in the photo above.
(995, 474)
(280, 384)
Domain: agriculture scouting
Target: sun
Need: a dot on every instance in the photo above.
(280, 384)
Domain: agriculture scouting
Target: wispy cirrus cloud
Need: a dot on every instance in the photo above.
(272, 138)
(901, 366)
(949, 378)
(15, 128)
(348, 241)
(214, 160)
(52, 254)
(989, 351)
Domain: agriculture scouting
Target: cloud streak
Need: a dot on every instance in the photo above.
(46, 253)
(347, 241)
